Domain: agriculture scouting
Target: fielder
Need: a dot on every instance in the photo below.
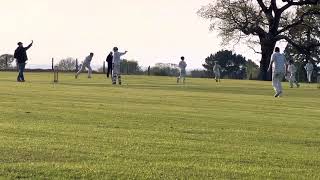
(86, 64)
(182, 66)
(309, 68)
(292, 74)
(279, 70)
(216, 71)
(116, 73)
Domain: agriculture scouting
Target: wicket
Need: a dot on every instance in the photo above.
(55, 74)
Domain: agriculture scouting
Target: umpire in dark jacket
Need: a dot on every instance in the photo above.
(20, 54)
(109, 61)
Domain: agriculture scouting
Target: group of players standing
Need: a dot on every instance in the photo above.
(113, 59)
(283, 69)
(280, 70)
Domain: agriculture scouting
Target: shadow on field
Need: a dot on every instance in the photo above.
(85, 84)
(180, 88)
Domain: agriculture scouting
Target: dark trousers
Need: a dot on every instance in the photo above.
(109, 72)
(21, 67)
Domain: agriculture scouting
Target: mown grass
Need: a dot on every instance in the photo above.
(152, 128)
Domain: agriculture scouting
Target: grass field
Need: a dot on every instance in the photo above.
(152, 128)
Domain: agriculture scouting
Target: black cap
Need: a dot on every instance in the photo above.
(19, 43)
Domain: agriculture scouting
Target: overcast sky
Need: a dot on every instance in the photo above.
(152, 31)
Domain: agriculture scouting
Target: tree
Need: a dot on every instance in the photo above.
(165, 69)
(252, 70)
(259, 22)
(130, 67)
(306, 34)
(232, 64)
(197, 73)
(67, 64)
(6, 61)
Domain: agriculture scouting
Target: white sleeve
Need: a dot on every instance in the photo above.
(273, 57)
(122, 53)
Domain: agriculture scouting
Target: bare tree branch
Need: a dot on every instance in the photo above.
(300, 21)
(263, 6)
(274, 5)
(301, 48)
(254, 50)
(298, 3)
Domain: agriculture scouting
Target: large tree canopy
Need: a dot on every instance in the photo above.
(267, 20)
(307, 35)
(233, 65)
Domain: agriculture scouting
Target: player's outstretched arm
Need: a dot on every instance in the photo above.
(123, 53)
(29, 45)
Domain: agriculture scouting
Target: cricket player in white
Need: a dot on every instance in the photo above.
(309, 68)
(292, 71)
(116, 72)
(279, 70)
(216, 71)
(86, 64)
(182, 66)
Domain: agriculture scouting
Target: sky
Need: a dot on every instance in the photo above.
(151, 31)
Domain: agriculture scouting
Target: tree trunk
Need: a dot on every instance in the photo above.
(267, 48)
(308, 55)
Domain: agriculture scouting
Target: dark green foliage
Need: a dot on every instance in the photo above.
(165, 69)
(305, 35)
(130, 67)
(233, 65)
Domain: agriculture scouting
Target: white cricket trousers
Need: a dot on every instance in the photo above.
(182, 76)
(277, 78)
(83, 67)
(292, 80)
(309, 75)
(116, 73)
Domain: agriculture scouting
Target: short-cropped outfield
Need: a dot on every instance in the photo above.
(152, 128)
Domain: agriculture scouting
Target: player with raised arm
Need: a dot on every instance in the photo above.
(116, 63)
(20, 54)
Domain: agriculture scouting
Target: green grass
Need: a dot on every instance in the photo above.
(152, 128)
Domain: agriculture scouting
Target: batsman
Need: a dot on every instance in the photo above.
(116, 62)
